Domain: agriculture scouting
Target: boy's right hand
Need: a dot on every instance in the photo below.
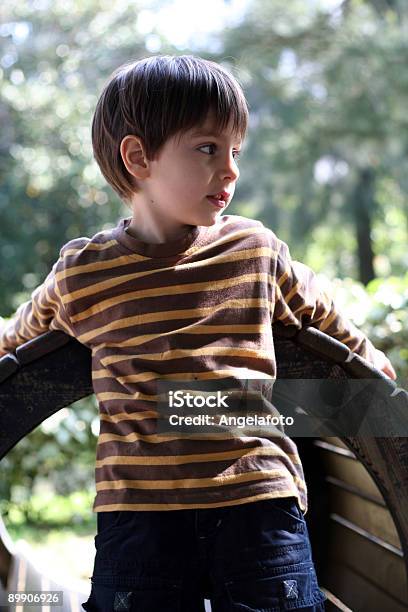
(382, 363)
(2, 326)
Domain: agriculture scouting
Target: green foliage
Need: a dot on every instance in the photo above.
(49, 511)
(381, 311)
(57, 457)
(51, 189)
(327, 94)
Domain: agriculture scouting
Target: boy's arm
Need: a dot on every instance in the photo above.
(43, 312)
(300, 301)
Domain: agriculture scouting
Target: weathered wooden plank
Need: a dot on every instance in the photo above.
(369, 560)
(358, 593)
(333, 603)
(374, 518)
(350, 471)
(386, 460)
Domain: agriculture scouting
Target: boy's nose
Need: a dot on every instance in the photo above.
(231, 169)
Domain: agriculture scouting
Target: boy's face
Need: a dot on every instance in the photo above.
(188, 169)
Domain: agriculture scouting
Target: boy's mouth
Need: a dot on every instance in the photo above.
(219, 199)
(219, 203)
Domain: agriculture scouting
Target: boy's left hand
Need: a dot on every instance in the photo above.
(382, 363)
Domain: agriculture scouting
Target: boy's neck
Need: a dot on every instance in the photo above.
(156, 238)
(146, 228)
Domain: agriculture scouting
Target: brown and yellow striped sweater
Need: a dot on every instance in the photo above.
(200, 307)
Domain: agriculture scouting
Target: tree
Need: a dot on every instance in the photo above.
(327, 96)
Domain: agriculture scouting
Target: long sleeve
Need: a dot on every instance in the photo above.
(43, 312)
(300, 301)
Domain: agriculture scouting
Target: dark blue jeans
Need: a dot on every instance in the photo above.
(253, 557)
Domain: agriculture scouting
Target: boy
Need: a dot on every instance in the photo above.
(180, 292)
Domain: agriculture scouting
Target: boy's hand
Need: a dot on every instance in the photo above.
(382, 363)
(2, 326)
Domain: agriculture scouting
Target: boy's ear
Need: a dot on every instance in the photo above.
(134, 157)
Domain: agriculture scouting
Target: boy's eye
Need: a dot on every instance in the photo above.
(214, 146)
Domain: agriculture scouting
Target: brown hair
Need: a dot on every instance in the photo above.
(156, 97)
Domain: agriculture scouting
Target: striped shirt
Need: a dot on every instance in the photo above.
(200, 308)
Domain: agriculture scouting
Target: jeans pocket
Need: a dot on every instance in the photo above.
(133, 594)
(287, 506)
(287, 588)
(110, 526)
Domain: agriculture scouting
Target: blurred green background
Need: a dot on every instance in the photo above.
(324, 165)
